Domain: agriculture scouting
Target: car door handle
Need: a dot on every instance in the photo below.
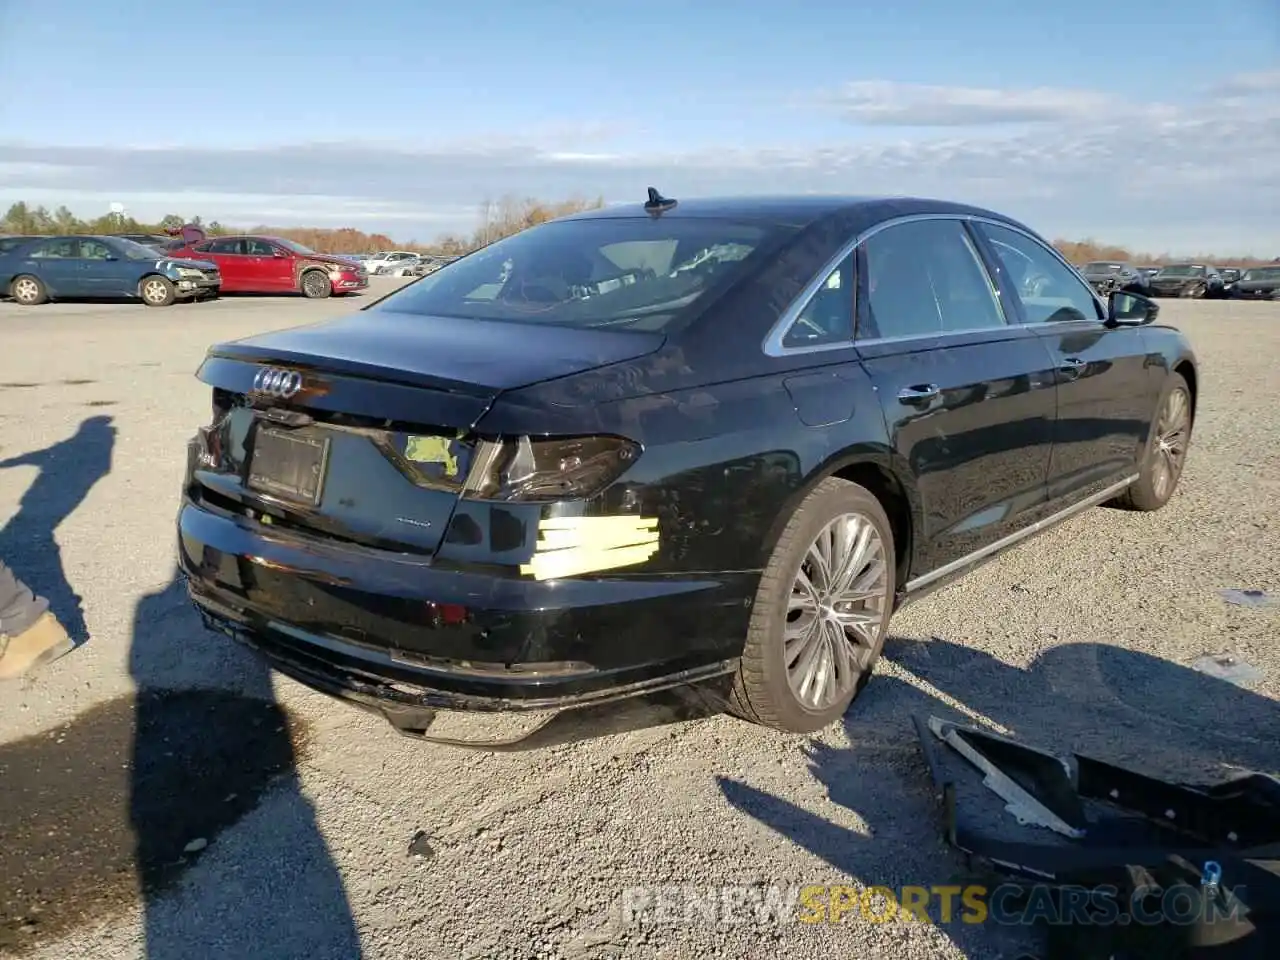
(1072, 366)
(921, 393)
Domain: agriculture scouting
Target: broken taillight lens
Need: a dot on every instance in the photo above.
(559, 468)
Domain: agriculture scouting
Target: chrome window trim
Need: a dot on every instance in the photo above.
(773, 346)
(941, 335)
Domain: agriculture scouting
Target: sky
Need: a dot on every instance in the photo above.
(1149, 123)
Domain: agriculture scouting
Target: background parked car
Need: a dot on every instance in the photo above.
(404, 267)
(1107, 275)
(1194, 280)
(1148, 270)
(44, 268)
(374, 263)
(1257, 283)
(252, 264)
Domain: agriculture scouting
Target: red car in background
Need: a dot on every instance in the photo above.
(254, 264)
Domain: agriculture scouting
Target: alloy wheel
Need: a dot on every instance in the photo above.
(154, 291)
(1171, 442)
(839, 601)
(26, 290)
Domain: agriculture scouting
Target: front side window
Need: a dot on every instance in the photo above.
(925, 278)
(94, 250)
(259, 248)
(1049, 290)
(637, 273)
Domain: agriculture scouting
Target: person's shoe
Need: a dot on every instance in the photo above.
(42, 642)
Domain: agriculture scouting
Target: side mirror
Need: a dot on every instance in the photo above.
(1130, 309)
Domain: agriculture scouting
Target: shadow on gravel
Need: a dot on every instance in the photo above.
(130, 795)
(201, 761)
(1110, 703)
(68, 471)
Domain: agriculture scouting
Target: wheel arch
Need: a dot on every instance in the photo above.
(310, 268)
(879, 470)
(1187, 369)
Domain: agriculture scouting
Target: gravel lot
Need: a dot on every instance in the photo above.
(156, 735)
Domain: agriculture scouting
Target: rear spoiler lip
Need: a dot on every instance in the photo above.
(255, 357)
(432, 402)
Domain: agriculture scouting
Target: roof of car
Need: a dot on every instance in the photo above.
(799, 210)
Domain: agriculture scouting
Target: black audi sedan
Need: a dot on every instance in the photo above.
(1257, 283)
(1194, 280)
(671, 444)
(1107, 275)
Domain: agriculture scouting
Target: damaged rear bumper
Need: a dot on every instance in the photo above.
(407, 637)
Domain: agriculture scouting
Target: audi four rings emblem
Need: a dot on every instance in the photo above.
(275, 382)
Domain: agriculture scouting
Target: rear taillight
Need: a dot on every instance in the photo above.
(561, 468)
(223, 401)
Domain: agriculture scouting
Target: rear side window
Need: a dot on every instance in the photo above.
(636, 273)
(828, 316)
(1050, 291)
(925, 278)
(61, 249)
(225, 246)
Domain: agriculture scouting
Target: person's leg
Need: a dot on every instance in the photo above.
(19, 607)
(30, 635)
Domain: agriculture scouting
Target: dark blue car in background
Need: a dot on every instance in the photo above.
(38, 269)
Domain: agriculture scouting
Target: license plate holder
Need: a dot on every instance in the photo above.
(288, 465)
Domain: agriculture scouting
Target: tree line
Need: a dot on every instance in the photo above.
(496, 219)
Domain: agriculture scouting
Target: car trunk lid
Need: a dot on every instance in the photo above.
(359, 428)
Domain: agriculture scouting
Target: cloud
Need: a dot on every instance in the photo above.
(1249, 84)
(1163, 177)
(885, 103)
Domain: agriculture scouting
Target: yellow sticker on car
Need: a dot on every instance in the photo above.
(570, 546)
(432, 450)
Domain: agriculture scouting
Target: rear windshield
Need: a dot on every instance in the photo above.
(1103, 266)
(1182, 271)
(637, 273)
(1263, 273)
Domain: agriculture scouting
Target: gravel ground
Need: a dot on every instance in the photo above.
(297, 819)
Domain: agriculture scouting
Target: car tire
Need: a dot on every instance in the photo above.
(316, 285)
(156, 291)
(770, 690)
(1165, 453)
(28, 291)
